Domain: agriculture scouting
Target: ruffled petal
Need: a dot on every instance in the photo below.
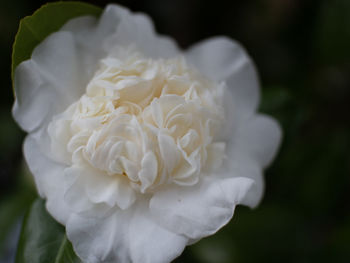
(223, 59)
(109, 190)
(201, 210)
(124, 236)
(87, 187)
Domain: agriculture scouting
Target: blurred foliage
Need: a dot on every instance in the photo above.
(13, 204)
(301, 49)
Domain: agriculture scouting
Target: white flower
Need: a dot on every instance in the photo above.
(141, 149)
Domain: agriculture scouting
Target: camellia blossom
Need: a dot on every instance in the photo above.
(140, 148)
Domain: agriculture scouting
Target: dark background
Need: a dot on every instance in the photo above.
(302, 52)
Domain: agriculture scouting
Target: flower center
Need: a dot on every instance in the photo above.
(153, 121)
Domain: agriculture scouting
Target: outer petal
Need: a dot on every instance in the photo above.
(240, 166)
(47, 83)
(258, 138)
(125, 236)
(156, 244)
(251, 148)
(118, 26)
(223, 59)
(137, 29)
(48, 177)
(201, 210)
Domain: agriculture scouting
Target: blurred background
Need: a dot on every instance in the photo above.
(302, 52)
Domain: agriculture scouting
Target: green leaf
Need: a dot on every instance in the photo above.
(42, 239)
(66, 253)
(14, 204)
(46, 20)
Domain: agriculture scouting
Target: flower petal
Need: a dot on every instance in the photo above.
(149, 171)
(240, 166)
(74, 191)
(223, 59)
(86, 187)
(48, 177)
(138, 29)
(168, 151)
(164, 245)
(118, 26)
(47, 83)
(200, 210)
(125, 236)
(258, 139)
(112, 191)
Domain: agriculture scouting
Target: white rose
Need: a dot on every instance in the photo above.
(141, 149)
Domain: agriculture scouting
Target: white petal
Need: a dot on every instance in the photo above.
(112, 190)
(33, 98)
(125, 236)
(49, 82)
(216, 156)
(258, 138)
(155, 244)
(48, 177)
(201, 210)
(60, 140)
(118, 26)
(74, 193)
(86, 187)
(252, 148)
(95, 241)
(241, 166)
(88, 34)
(80, 25)
(136, 29)
(57, 60)
(223, 59)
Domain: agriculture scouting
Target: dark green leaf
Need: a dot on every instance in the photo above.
(46, 20)
(13, 205)
(42, 239)
(66, 253)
